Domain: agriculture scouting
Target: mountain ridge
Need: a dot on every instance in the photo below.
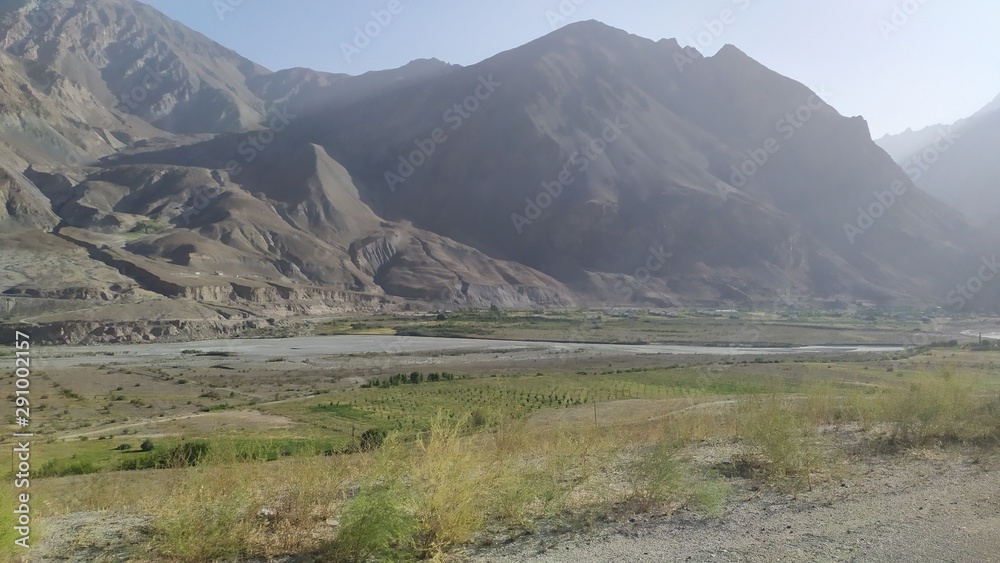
(637, 179)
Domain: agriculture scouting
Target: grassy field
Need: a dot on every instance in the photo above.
(276, 459)
(789, 328)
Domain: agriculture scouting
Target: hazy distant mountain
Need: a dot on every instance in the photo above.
(587, 166)
(958, 164)
(902, 146)
(302, 91)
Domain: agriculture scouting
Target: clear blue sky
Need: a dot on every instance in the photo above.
(940, 64)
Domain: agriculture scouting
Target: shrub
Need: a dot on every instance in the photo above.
(187, 454)
(779, 440)
(64, 468)
(147, 445)
(371, 439)
(938, 408)
(478, 418)
(375, 525)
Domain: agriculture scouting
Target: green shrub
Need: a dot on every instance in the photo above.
(780, 441)
(187, 454)
(66, 467)
(376, 525)
(371, 439)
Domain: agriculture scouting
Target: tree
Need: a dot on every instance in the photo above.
(495, 313)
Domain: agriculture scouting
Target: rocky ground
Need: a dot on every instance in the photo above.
(930, 506)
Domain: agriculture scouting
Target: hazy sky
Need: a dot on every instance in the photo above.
(899, 63)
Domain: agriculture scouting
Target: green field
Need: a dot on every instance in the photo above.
(786, 328)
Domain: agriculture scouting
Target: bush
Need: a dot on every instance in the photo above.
(124, 447)
(938, 408)
(478, 419)
(371, 439)
(65, 468)
(780, 441)
(655, 476)
(147, 445)
(375, 526)
(187, 454)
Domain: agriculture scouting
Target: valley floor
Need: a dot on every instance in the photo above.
(573, 451)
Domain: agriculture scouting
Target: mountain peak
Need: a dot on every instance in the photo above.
(591, 30)
(730, 51)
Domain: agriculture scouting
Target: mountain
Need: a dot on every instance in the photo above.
(902, 146)
(676, 135)
(304, 91)
(138, 61)
(588, 166)
(957, 163)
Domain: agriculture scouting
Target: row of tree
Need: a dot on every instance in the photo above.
(408, 379)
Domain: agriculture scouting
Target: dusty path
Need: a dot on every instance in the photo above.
(912, 510)
(150, 421)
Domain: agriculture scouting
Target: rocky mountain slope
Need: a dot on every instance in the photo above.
(589, 166)
(136, 60)
(577, 153)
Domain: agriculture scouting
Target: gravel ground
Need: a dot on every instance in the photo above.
(933, 508)
(89, 537)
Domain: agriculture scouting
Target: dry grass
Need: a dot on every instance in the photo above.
(495, 472)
